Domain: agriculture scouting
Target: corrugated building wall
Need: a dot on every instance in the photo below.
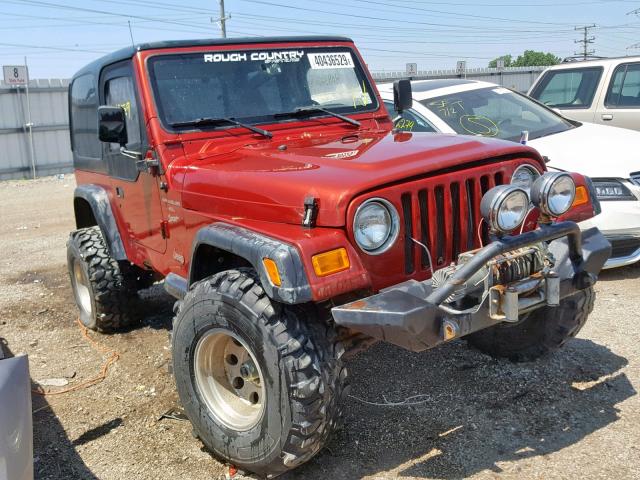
(517, 78)
(52, 153)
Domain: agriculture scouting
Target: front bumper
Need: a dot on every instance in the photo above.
(413, 315)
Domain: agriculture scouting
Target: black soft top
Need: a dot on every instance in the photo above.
(128, 52)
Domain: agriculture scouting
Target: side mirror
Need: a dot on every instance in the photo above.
(402, 96)
(112, 126)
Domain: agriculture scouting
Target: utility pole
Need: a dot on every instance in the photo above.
(585, 41)
(223, 19)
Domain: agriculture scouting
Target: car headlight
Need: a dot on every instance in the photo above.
(611, 189)
(524, 176)
(376, 225)
(504, 207)
(553, 193)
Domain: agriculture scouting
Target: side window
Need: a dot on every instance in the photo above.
(574, 88)
(624, 90)
(84, 118)
(119, 92)
(409, 121)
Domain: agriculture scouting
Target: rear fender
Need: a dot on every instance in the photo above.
(98, 200)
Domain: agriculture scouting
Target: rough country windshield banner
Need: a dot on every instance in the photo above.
(258, 85)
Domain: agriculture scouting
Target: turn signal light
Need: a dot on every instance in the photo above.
(333, 261)
(272, 270)
(582, 196)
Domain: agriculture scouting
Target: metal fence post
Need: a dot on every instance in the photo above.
(32, 153)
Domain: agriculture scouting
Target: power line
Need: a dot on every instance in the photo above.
(82, 9)
(51, 48)
(459, 30)
(456, 14)
(585, 41)
(367, 17)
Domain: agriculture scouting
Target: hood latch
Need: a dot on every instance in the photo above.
(310, 212)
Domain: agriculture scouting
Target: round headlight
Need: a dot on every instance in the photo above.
(524, 176)
(553, 193)
(376, 225)
(504, 207)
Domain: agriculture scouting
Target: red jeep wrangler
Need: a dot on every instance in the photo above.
(263, 181)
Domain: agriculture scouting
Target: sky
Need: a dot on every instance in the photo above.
(58, 37)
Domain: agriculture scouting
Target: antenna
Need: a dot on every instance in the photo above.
(133, 44)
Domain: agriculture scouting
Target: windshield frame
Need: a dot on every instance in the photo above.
(570, 124)
(362, 71)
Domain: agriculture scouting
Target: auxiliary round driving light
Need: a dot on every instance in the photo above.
(553, 193)
(504, 207)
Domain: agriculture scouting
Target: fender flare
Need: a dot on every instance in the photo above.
(253, 247)
(98, 199)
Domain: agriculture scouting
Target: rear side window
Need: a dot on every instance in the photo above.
(573, 88)
(624, 90)
(84, 118)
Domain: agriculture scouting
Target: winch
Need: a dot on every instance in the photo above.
(506, 268)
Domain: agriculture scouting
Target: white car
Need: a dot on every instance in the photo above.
(609, 155)
(603, 91)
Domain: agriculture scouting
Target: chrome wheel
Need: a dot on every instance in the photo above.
(81, 287)
(229, 379)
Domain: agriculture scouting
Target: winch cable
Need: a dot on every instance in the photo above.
(112, 357)
(426, 249)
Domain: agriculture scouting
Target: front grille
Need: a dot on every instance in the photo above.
(444, 216)
(624, 246)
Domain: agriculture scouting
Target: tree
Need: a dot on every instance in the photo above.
(530, 58)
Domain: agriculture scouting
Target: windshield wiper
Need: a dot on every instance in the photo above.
(199, 122)
(310, 110)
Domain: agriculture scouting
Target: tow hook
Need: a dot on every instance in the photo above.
(450, 329)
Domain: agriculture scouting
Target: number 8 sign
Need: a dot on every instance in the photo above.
(15, 75)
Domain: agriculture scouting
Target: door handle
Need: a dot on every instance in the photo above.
(607, 116)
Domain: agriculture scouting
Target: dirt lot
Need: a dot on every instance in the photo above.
(575, 414)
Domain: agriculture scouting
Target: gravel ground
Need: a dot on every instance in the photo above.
(575, 414)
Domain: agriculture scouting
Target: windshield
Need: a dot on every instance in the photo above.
(495, 112)
(254, 86)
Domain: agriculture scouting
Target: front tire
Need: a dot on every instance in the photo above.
(539, 333)
(99, 287)
(283, 410)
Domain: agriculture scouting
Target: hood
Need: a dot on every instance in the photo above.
(270, 179)
(593, 150)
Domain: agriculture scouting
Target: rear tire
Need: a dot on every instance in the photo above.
(105, 302)
(287, 414)
(539, 333)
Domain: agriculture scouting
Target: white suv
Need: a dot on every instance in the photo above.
(600, 91)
